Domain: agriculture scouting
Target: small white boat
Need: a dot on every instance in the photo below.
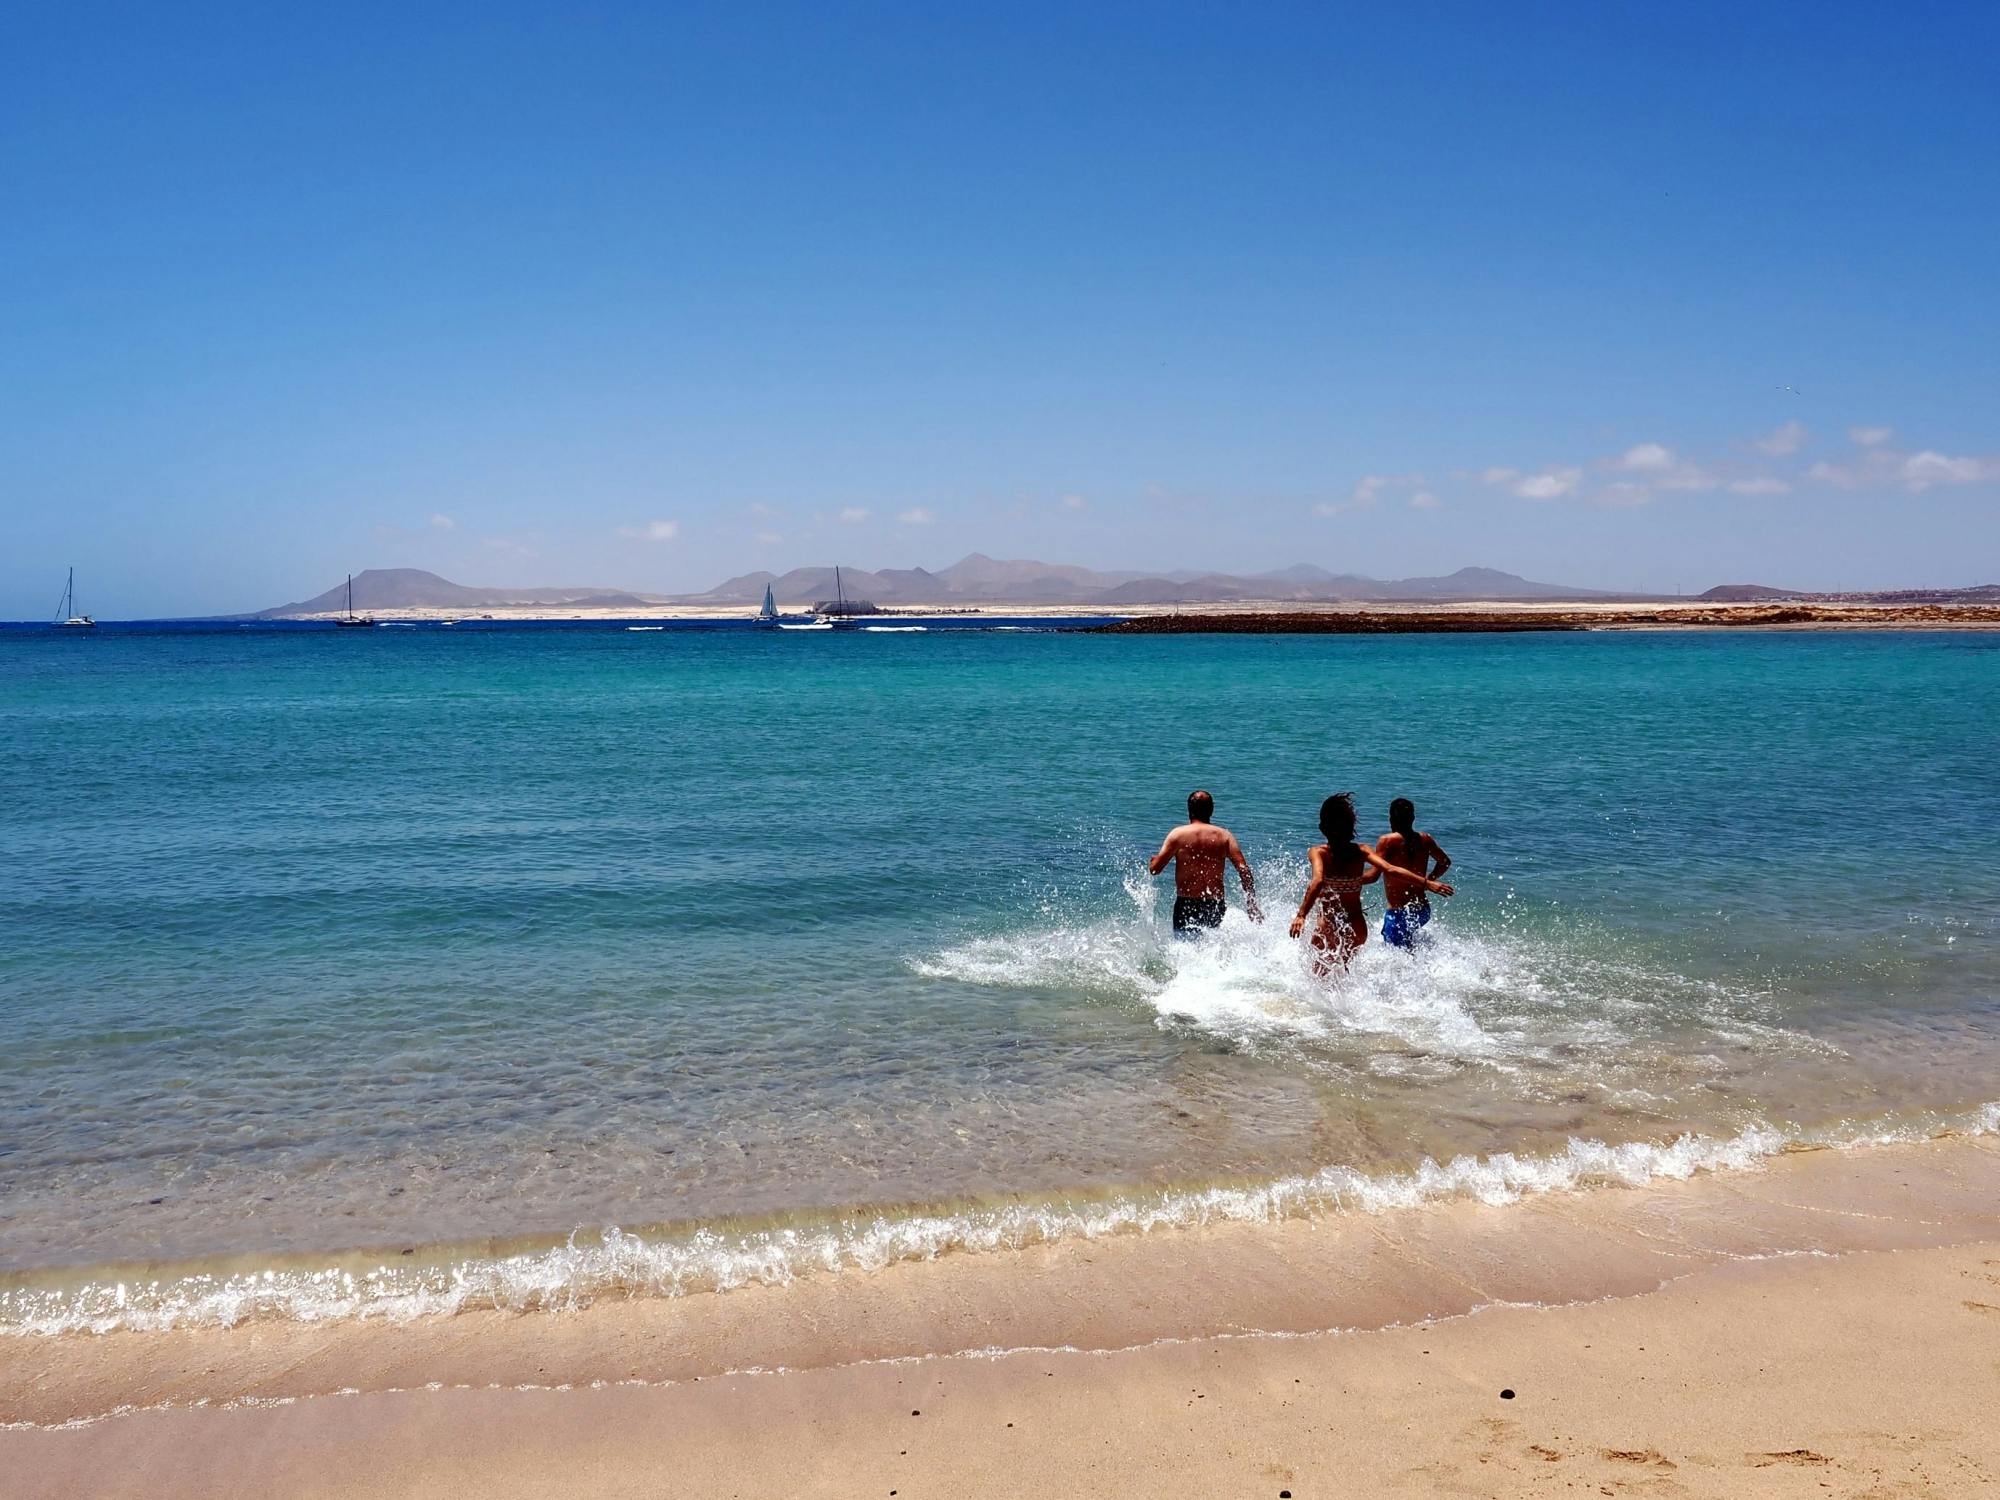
(68, 616)
(813, 625)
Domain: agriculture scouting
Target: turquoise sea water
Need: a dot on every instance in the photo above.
(319, 947)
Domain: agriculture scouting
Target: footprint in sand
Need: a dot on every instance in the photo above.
(1640, 1456)
(1804, 1457)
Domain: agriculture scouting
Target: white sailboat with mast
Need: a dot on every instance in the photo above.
(68, 616)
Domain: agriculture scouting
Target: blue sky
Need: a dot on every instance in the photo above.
(647, 296)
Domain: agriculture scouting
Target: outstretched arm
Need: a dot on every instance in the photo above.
(1436, 886)
(1165, 857)
(1312, 891)
(1442, 860)
(1249, 881)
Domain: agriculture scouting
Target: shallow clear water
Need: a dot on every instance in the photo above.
(317, 940)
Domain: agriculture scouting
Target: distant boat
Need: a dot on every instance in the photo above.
(351, 620)
(67, 615)
(769, 613)
(840, 619)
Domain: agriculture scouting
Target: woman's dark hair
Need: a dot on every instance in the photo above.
(1336, 819)
(1403, 815)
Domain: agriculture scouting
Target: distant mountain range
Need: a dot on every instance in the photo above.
(977, 579)
(413, 588)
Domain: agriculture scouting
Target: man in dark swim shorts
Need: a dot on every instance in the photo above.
(1197, 850)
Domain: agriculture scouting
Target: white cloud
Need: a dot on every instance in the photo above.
(442, 522)
(1920, 471)
(1550, 484)
(1870, 437)
(1913, 473)
(854, 515)
(1647, 457)
(916, 515)
(1367, 493)
(1784, 441)
(1075, 502)
(651, 531)
(1424, 500)
(1762, 485)
(768, 538)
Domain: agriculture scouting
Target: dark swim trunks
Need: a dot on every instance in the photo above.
(1399, 926)
(1192, 913)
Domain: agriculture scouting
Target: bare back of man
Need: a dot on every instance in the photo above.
(1413, 849)
(1198, 850)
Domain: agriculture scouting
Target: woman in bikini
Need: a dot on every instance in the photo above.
(1340, 867)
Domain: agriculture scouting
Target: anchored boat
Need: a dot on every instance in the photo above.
(68, 616)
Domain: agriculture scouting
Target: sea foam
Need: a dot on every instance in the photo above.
(591, 1267)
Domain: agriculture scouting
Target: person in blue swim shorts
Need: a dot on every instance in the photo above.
(1407, 846)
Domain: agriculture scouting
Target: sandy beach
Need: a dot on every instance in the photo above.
(1826, 1323)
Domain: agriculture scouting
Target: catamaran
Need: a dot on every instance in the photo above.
(351, 619)
(68, 617)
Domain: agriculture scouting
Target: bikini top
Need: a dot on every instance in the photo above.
(1344, 885)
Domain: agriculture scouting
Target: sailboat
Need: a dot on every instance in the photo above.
(67, 615)
(840, 619)
(768, 615)
(351, 620)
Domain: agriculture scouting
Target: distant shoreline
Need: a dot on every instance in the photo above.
(1370, 617)
(1472, 619)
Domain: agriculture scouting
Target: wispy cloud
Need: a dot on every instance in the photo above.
(854, 515)
(1425, 500)
(1763, 484)
(1878, 465)
(1075, 502)
(768, 539)
(1367, 493)
(1550, 484)
(1647, 458)
(512, 546)
(442, 522)
(1783, 441)
(651, 531)
(916, 515)
(1870, 437)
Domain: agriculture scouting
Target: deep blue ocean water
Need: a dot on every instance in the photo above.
(314, 941)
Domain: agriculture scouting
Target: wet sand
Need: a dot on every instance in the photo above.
(1829, 1322)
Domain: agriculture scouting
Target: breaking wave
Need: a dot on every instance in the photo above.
(614, 1263)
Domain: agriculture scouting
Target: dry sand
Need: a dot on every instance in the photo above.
(1826, 1324)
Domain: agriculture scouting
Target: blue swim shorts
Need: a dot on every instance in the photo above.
(1399, 926)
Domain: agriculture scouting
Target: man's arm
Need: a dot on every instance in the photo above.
(1435, 887)
(1249, 881)
(1166, 855)
(1441, 861)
